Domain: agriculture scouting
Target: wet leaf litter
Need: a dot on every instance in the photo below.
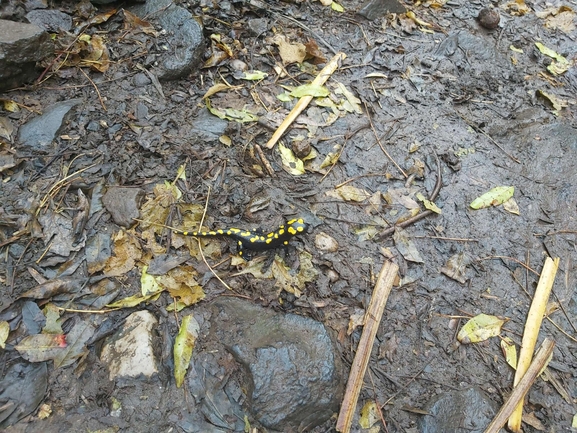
(383, 196)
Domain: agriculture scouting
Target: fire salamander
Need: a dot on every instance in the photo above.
(258, 240)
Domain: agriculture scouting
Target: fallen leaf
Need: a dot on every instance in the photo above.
(309, 90)
(480, 328)
(348, 193)
(560, 64)
(494, 197)
(369, 414)
(290, 53)
(4, 331)
(183, 347)
(41, 347)
(509, 351)
(290, 162)
(511, 206)
(406, 246)
(456, 267)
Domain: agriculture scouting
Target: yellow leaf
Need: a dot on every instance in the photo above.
(337, 7)
(183, 346)
(290, 162)
(480, 328)
(349, 193)
(511, 206)
(509, 351)
(369, 414)
(4, 331)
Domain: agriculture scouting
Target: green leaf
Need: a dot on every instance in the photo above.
(183, 346)
(495, 197)
(254, 75)
(309, 90)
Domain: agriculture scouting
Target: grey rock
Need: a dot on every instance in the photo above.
(39, 132)
(21, 390)
(50, 20)
(258, 26)
(373, 9)
(207, 128)
(21, 46)
(467, 411)
(123, 204)
(293, 370)
(185, 39)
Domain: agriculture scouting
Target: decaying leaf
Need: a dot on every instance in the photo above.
(494, 197)
(511, 206)
(428, 204)
(357, 319)
(41, 347)
(456, 267)
(53, 321)
(4, 331)
(353, 104)
(76, 347)
(560, 63)
(126, 252)
(480, 328)
(309, 90)
(509, 351)
(348, 193)
(369, 414)
(290, 162)
(406, 246)
(254, 75)
(132, 301)
(183, 347)
(517, 7)
(562, 18)
(133, 22)
(286, 278)
(289, 52)
(240, 116)
(556, 102)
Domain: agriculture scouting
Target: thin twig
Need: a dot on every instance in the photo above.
(381, 145)
(95, 88)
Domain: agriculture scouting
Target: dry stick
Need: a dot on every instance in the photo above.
(516, 397)
(373, 316)
(320, 79)
(531, 331)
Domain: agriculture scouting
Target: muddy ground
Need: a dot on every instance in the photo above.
(440, 96)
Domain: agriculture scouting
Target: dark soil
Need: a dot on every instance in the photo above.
(451, 94)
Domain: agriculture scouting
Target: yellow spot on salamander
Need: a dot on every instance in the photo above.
(270, 235)
(233, 230)
(291, 222)
(254, 239)
(300, 228)
(204, 233)
(212, 233)
(285, 242)
(246, 234)
(292, 231)
(220, 232)
(281, 232)
(268, 241)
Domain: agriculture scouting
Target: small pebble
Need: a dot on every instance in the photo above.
(489, 18)
(301, 148)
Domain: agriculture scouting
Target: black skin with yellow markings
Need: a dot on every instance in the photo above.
(257, 240)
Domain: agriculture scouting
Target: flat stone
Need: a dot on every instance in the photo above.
(129, 352)
(123, 204)
(21, 46)
(50, 20)
(39, 132)
(373, 9)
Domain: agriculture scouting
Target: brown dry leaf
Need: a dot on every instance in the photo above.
(76, 347)
(181, 284)
(126, 253)
(349, 193)
(517, 7)
(94, 53)
(564, 21)
(357, 319)
(313, 53)
(290, 53)
(131, 21)
(54, 287)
